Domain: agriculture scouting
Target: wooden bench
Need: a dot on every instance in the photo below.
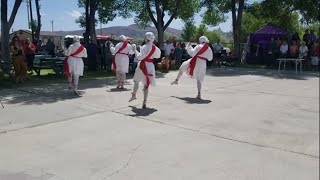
(55, 63)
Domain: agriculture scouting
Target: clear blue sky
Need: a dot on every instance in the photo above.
(64, 13)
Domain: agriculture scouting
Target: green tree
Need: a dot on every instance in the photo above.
(154, 11)
(308, 9)
(33, 25)
(215, 35)
(105, 9)
(259, 15)
(201, 30)
(189, 31)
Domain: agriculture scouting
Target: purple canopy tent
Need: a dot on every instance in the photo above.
(264, 34)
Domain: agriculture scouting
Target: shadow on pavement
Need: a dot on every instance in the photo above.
(190, 100)
(142, 112)
(118, 90)
(52, 90)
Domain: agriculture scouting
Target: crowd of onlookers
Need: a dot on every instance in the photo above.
(23, 54)
(292, 46)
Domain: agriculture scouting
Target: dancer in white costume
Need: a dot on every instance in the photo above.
(73, 67)
(120, 61)
(197, 65)
(145, 71)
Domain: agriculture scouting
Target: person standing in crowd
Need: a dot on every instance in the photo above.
(272, 51)
(303, 52)
(312, 36)
(18, 58)
(315, 53)
(294, 49)
(295, 37)
(74, 65)
(167, 48)
(92, 55)
(197, 65)
(145, 71)
(172, 58)
(50, 47)
(217, 49)
(103, 65)
(178, 54)
(120, 61)
(306, 35)
(108, 55)
(29, 50)
(284, 49)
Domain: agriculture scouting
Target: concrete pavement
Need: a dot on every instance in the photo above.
(251, 124)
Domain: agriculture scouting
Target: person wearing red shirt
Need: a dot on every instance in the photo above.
(29, 50)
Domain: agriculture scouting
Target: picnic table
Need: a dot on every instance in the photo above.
(48, 62)
(296, 60)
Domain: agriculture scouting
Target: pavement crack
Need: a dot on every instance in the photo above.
(223, 137)
(126, 164)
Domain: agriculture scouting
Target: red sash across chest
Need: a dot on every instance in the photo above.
(66, 65)
(192, 64)
(143, 65)
(114, 65)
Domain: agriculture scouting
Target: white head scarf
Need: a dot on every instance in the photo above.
(76, 39)
(122, 38)
(149, 36)
(203, 39)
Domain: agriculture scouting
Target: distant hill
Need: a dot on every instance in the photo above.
(132, 31)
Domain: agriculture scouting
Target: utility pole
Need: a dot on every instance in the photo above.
(51, 25)
(27, 2)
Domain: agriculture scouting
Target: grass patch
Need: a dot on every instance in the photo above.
(47, 76)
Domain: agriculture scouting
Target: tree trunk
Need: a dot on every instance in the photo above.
(160, 30)
(86, 35)
(5, 53)
(6, 26)
(236, 24)
(92, 30)
(32, 25)
(37, 34)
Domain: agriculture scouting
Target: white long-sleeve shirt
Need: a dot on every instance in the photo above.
(193, 51)
(284, 48)
(144, 51)
(303, 51)
(73, 48)
(127, 50)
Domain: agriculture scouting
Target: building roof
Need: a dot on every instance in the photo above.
(42, 33)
